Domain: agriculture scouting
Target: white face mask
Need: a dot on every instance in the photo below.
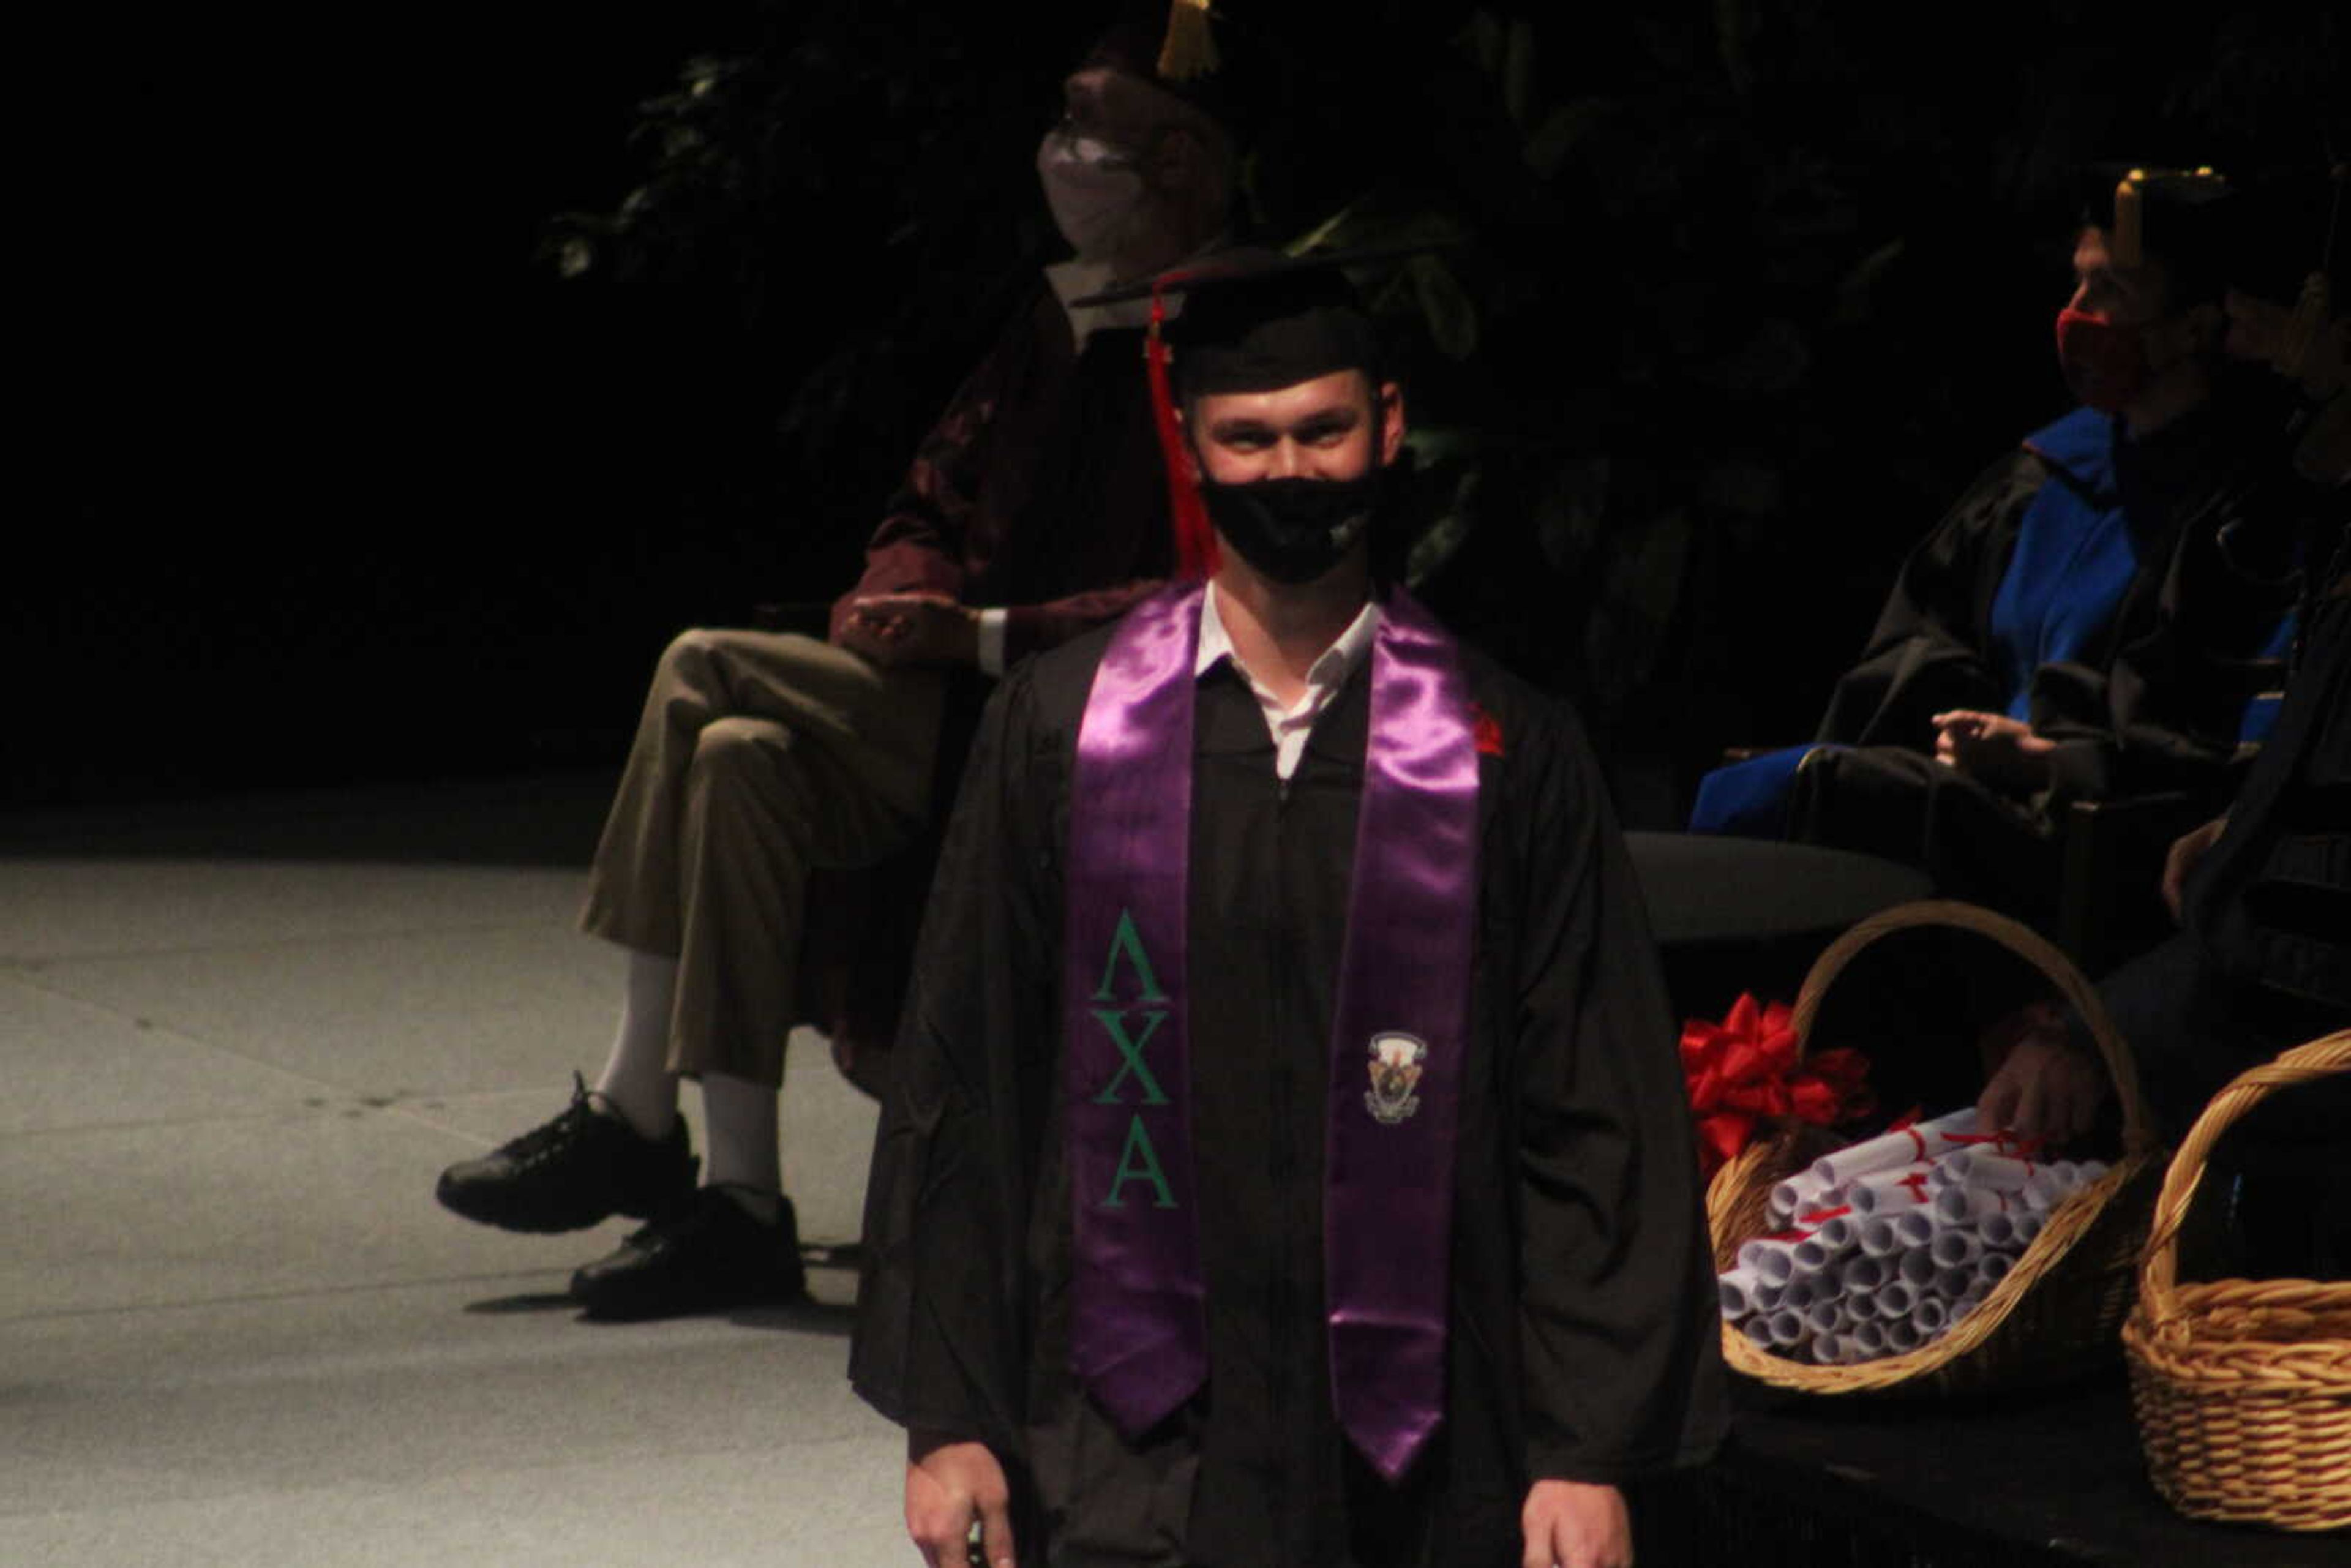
(1095, 192)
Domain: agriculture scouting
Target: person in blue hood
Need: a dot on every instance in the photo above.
(2068, 631)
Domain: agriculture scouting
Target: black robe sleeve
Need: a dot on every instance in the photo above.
(1927, 653)
(940, 1319)
(1620, 1330)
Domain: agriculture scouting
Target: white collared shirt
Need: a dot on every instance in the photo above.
(1291, 725)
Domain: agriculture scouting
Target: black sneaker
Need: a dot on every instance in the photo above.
(576, 1171)
(709, 1257)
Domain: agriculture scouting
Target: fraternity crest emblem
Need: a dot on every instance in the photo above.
(1395, 1073)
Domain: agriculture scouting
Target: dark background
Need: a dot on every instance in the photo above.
(334, 474)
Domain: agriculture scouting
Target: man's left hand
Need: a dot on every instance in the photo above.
(1576, 1524)
(903, 631)
(2001, 751)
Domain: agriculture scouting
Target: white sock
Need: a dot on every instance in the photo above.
(636, 1084)
(738, 1119)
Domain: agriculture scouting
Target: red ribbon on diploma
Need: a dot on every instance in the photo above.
(1747, 1069)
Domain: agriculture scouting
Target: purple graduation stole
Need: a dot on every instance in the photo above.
(1138, 1334)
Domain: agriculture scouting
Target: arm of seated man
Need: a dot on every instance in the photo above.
(911, 631)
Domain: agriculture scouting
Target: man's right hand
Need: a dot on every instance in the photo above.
(948, 1485)
(2185, 852)
(899, 631)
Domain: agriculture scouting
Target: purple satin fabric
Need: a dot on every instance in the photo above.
(1411, 918)
(1138, 1335)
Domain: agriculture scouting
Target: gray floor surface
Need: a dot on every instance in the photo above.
(238, 1041)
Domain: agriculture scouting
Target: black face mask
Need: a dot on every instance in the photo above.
(1293, 530)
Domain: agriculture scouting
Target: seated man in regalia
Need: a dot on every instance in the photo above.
(2093, 616)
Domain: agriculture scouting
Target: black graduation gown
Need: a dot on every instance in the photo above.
(1582, 1338)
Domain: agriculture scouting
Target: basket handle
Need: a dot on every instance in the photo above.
(2160, 1259)
(2019, 939)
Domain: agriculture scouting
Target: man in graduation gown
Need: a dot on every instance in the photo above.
(1286, 1160)
(766, 761)
(2074, 628)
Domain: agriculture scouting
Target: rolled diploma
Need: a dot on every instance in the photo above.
(1992, 1269)
(2027, 1227)
(1952, 1280)
(1998, 1173)
(2050, 1187)
(1812, 1255)
(1887, 1192)
(1889, 1151)
(1827, 1317)
(1896, 1300)
(1957, 1248)
(1997, 1230)
(1862, 1273)
(1967, 1204)
(1736, 1290)
(1917, 1227)
(1786, 1328)
(1932, 1316)
(1757, 1330)
(1902, 1334)
(1915, 1267)
(1770, 1259)
(1869, 1338)
(1800, 1191)
(1879, 1237)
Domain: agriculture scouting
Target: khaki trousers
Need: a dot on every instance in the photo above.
(761, 757)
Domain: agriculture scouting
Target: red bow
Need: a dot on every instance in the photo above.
(1746, 1068)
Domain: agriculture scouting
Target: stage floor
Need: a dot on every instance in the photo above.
(240, 1039)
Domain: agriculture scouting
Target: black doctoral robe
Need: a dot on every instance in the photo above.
(2152, 700)
(1582, 1338)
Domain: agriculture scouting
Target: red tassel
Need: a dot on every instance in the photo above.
(1195, 545)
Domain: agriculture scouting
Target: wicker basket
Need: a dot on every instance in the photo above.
(2057, 1313)
(2243, 1386)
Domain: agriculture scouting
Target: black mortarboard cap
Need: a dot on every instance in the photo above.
(1255, 320)
(2188, 219)
(1169, 44)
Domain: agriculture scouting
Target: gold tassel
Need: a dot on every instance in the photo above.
(2123, 247)
(1190, 49)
